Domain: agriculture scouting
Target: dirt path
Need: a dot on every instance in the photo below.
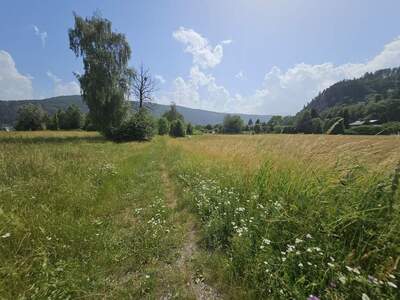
(198, 287)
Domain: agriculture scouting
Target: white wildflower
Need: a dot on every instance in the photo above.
(342, 279)
(389, 283)
(364, 297)
(267, 241)
(6, 235)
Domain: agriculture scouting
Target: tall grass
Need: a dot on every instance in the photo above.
(83, 218)
(289, 229)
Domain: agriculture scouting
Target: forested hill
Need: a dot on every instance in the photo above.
(8, 110)
(377, 86)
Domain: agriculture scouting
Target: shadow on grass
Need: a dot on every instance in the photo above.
(52, 139)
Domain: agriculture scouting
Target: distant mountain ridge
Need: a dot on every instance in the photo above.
(8, 110)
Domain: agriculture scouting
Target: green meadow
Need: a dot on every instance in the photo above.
(206, 217)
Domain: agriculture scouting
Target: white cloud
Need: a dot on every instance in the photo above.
(226, 42)
(199, 90)
(204, 55)
(287, 92)
(160, 78)
(281, 92)
(62, 88)
(13, 85)
(41, 34)
(240, 75)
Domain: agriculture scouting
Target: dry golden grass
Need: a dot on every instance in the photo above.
(382, 152)
(48, 134)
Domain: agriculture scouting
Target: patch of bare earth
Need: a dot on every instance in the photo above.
(196, 284)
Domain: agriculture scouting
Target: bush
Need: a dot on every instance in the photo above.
(392, 128)
(257, 128)
(140, 127)
(232, 124)
(31, 117)
(163, 126)
(177, 129)
(189, 129)
(88, 124)
(366, 129)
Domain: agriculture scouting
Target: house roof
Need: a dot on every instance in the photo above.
(357, 123)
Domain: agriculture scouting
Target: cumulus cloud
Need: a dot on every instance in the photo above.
(285, 92)
(41, 34)
(281, 92)
(160, 79)
(204, 55)
(13, 85)
(62, 88)
(199, 90)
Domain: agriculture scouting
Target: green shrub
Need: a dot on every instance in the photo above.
(257, 128)
(366, 129)
(392, 128)
(163, 126)
(189, 129)
(140, 127)
(177, 129)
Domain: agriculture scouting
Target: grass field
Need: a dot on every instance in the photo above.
(207, 217)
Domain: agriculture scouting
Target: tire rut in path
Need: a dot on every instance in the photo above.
(200, 289)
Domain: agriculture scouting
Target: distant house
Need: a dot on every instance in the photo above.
(357, 123)
(6, 128)
(361, 122)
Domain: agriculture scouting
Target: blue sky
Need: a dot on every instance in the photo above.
(255, 56)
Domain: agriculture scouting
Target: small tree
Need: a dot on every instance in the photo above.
(163, 126)
(232, 124)
(172, 114)
(257, 128)
(317, 125)
(30, 117)
(209, 127)
(189, 129)
(143, 86)
(54, 122)
(177, 129)
(304, 123)
(73, 117)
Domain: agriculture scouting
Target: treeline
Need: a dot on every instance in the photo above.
(307, 122)
(32, 117)
(367, 105)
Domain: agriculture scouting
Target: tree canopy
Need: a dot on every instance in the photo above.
(106, 78)
(232, 124)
